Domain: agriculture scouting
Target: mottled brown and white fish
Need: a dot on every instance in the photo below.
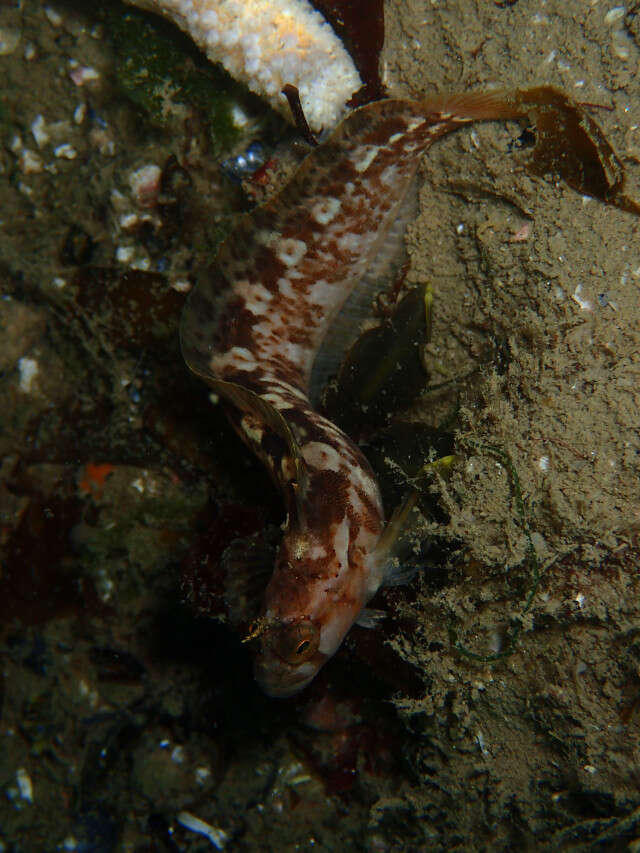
(252, 331)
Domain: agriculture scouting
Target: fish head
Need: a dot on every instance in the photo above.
(312, 599)
(289, 657)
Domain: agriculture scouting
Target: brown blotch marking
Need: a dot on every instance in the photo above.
(300, 336)
(326, 501)
(314, 425)
(252, 379)
(234, 328)
(282, 370)
(371, 510)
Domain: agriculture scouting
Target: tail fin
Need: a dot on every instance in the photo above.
(569, 145)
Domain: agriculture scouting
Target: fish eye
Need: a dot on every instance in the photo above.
(296, 643)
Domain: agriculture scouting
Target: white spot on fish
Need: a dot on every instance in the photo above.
(252, 290)
(285, 289)
(362, 479)
(288, 468)
(388, 175)
(395, 137)
(350, 242)
(414, 124)
(325, 210)
(291, 251)
(266, 238)
(340, 542)
(252, 428)
(258, 309)
(290, 390)
(278, 401)
(318, 454)
(256, 295)
(238, 357)
(317, 552)
(320, 293)
(363, 161)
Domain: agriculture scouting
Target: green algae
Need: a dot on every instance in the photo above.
(164, 75)
(531, 560)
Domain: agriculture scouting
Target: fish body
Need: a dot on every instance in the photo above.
(252, 331)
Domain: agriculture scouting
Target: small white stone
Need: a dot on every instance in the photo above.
(25, 785)
(125, 254)
(621, 45)
(128, 221)
(82, 74)
(218, 837)
(25, 189)
(39, 131)
(53, 16)
(543, 463)
(145, 184)
(9, 40)
(202, 774)
(577, 297)
(177, 755)
(66, 151)
(614, 15)
(80, 113)
(28, 369)
(239, 116)
(30, 162)
(481, 744)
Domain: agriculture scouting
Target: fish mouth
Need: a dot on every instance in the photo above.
(281, 681)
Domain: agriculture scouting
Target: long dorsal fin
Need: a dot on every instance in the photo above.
(383, 272)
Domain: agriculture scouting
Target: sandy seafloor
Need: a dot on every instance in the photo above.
(119, 708)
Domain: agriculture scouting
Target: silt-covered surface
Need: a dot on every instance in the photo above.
(121, 706)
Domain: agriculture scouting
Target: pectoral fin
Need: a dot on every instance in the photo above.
(249, 402)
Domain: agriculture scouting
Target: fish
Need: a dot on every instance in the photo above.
(252, 331)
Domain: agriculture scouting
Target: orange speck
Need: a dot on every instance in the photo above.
(261, 176)
(522, 234)
(95, 475)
